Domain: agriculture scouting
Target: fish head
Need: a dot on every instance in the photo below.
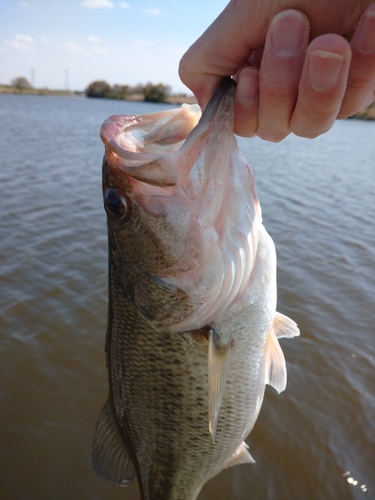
(181, 204)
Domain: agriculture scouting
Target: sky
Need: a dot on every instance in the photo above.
(67, 44)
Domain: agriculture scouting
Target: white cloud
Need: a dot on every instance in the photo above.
(44, 40)
(124, 5)
(71, 47)
(100, 50)
(14, 44)
(152, 12)
(24, 38)
(141, 45)
(20, 42)
(24, 4)
(97, 4)
(93, 39)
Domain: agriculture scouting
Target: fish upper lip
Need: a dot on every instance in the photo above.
(125, 147)
(180, 120)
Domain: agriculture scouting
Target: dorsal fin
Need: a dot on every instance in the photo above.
(109, 457)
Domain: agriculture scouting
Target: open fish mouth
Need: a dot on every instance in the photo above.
(142, 144)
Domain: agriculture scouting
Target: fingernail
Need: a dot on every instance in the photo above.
(366, 37)
(248, 85)
(288, 33)
(324, 69)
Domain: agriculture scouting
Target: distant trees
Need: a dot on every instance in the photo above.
(156, 93)
(21, 83)
(99, 88)
(118, 92)
(149, 92)
(136, 89)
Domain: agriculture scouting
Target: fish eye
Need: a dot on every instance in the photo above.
(116, 205)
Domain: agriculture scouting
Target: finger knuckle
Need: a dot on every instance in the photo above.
(312, 123)
(359, 83)
(319, 116)
(279, 92)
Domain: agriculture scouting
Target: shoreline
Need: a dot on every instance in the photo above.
(367, 113)
(173, 99)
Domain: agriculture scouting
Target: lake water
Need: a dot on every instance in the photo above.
(315, 441)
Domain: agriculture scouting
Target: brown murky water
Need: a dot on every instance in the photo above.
(316, 441)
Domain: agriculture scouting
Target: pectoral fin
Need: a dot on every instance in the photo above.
(110, 460)
(218, 368)
(240, 456)
(156, 299)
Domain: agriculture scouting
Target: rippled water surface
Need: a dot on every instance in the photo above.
(316, 441)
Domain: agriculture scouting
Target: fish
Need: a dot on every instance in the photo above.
(192, 334)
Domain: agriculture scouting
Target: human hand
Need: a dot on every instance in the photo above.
(300, 87)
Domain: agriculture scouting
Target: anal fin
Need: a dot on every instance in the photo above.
(240, 456)
(275, 363)
(218, 368)
(284, 326)
(109, 457)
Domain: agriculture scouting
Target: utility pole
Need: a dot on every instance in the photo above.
(66, 79)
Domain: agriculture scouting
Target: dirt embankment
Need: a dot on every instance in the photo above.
(7, 89)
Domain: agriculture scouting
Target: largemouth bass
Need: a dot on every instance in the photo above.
(192, 334)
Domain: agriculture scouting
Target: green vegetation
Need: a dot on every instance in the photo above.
(99, 88)
(149, 92)
(118, 92)
(156, 93)
(10, 89)
(21, 83)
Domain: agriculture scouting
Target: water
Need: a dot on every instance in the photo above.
(316, 441)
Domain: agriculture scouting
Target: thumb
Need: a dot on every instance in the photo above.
(223, 48)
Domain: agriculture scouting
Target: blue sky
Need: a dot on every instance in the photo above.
(74, 42)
